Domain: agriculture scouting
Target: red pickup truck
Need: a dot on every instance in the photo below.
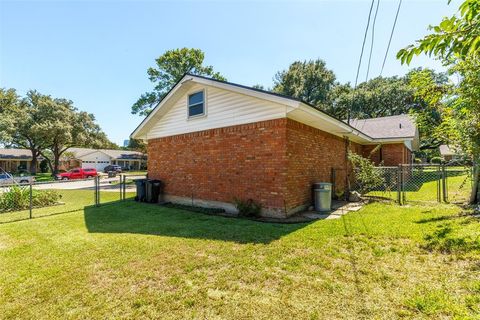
(78, 173)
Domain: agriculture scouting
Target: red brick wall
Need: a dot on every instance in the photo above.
(390, 154)
(244, 161)
(273, 162)
(312, 154)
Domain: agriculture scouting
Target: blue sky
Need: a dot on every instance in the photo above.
(96, 52)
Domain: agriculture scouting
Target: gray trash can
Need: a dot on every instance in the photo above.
(141, 192)
(322, 195)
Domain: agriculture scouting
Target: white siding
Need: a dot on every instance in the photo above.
(224, 108)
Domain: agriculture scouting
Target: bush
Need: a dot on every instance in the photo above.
(418, 161)
(436, 160)
(248, 208)
(366, 175)
(18, 198)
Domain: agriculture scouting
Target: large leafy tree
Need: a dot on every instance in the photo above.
(169, 69)
(47, 126)
(309, 81)
(456, 42)
(378, 97)
(64, 126)
(21, 119)
(430, 89)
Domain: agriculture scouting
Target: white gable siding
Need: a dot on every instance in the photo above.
(223, 109)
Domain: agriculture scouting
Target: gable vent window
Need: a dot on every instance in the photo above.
(196, 104)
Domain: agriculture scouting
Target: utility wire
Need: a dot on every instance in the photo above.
(360, 60)
(373, 40)
(391, 35)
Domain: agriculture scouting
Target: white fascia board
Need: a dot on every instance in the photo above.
(346, 129)
(159, 106)
(248, 92)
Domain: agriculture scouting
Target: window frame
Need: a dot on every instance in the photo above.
(204, 113)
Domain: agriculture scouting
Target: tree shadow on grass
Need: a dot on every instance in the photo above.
(149, 219)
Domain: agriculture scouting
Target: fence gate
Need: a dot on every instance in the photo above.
(458, 183)
(422, 183)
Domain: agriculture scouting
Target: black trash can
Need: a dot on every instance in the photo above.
(154, 188)
(141, 192)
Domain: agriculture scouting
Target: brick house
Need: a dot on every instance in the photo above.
(14, 160)
(211, 141)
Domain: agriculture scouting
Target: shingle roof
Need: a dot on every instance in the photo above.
(15, 153)
(115, 154)
(401, 126)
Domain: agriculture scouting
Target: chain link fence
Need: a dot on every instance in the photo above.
(415, 183)
(26, 201)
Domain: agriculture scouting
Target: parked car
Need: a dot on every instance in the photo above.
(112, 167)
(7, 179)
(78, 173)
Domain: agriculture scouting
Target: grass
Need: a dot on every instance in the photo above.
(71, 200)
(130, 260)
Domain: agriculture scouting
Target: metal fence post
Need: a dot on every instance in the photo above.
(439, 187)
(31, 200)
(399, 184)
(124, 186)
(97, 191)
(444, 184)
(120, 187)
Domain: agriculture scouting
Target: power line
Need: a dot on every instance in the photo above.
(360, 60)
(391, 35)
(373, 40)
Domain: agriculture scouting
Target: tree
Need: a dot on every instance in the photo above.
(63, 127)
(456, 42)
(457, 37)
(21, 118)
(378, 97)
(430, 89)
(170, 67)
(309, 81)
(137, 145)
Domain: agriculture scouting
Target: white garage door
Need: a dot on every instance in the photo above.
(99, 165)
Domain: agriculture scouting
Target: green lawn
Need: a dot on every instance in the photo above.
(130, 260)
(71, 200)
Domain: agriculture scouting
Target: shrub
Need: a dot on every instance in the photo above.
(366, 175)
(417, 161)
(45, 198)
(436, 160)
(18, 198)
(248, 208)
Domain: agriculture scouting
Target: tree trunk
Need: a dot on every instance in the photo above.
(474, 197)
(33, 163)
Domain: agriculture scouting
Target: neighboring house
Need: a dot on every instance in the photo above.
(13, 160)
(211, 141)
(100, 158)
(449, 153)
